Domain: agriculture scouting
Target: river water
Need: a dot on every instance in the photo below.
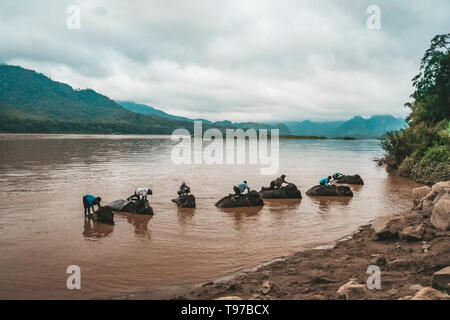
(43, 231)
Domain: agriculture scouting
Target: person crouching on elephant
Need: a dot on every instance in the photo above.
(240, 189)
(88, 202)
(335, 176)
(141, 194)
(325, 181)
(278, 182)
(183, 190)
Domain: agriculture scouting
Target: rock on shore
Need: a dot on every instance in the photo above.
(436, 202)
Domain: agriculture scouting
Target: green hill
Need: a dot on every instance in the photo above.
(31, 102)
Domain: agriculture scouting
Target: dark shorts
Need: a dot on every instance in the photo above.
(85, 203)
(236, 190)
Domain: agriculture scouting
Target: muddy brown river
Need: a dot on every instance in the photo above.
(43, 231)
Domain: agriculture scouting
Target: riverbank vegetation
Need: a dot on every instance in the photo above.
(422, 151)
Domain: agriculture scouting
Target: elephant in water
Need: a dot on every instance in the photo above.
(185, 201)
(330, 191)
(103, 215)
(290, 191)
(250, 199)
(133, 206)
(355, 179)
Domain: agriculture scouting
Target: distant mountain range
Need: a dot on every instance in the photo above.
(358, 127)
(31, 102)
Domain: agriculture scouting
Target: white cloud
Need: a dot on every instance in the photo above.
(237, 60)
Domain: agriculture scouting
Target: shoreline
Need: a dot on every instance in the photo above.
(407, 257)
(319, 273)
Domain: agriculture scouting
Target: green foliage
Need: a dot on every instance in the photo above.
(436, 154)
(424, 147)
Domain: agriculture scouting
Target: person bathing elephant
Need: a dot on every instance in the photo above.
(185, 198)
(88, 202)
(325, 181)
(240, 189)
(183, 189)
(140, 194)
(277, 183)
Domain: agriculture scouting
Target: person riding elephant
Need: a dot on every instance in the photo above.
(183, 189)
(325, 181)
(240, 189)
(278, 182)
(141, 194)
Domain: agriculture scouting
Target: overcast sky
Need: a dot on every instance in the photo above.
(237, 60)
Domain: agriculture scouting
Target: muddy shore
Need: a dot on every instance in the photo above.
(319, 273)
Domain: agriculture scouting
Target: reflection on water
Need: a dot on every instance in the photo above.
(43, 233)
(140, 222)
(93, 230)
(282, 205)
(324, 203)
(185, 215)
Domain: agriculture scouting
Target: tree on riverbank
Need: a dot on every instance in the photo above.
(422, 151)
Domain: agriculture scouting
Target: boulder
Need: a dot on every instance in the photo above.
(412, 233)
(290, 191)
(441, 279)
(419, 194)
(415, 287)
(438, 191)
(439, 186)
(185, 201)
(250, 199)
(388, 227)
(330, 191)
(104, 215)
(355, 179)
(266, 287)
(133, 206)
(429, 293)
(440, 217)
(353, 291)
(443, 194)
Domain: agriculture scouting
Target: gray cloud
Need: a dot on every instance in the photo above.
(237, 60)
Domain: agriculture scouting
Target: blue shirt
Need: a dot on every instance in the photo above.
(90, 199)
(243, 186)
(324, 181)
(336, 175)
